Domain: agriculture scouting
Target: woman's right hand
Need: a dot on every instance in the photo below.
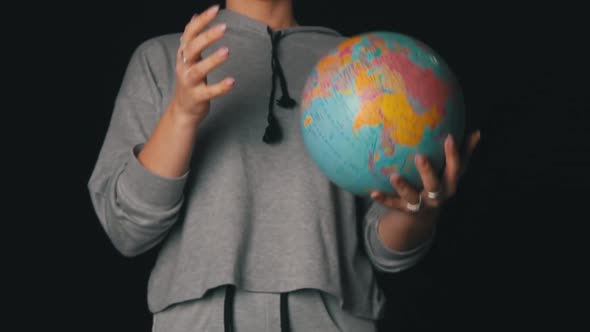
(193, 93)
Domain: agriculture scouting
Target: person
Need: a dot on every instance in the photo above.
(203, 157)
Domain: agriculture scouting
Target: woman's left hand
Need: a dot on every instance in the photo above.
(436, 190)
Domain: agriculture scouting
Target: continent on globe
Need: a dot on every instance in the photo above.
(374, 102)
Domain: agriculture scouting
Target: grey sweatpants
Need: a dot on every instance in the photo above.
(309, 311)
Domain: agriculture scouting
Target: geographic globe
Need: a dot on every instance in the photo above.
(375, 101)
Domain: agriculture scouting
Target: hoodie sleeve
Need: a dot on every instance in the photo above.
(384, 258)
(134, 206)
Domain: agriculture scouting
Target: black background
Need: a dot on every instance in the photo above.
(506, 255)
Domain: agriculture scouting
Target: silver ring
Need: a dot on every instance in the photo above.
(414, 207)
(433, 194)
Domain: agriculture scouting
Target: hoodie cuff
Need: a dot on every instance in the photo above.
(142, 185)
(384, 258)
(384, 252)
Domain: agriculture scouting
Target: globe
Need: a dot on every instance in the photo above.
(372, 103)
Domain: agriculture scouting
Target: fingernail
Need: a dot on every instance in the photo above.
(478, 134)
(221, 27)
(374, 195)
(394, 177)
(450, 140)
(213, 10)
(230, 81)
(419, 159)
(223, 51)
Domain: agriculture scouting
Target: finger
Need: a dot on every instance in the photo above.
(179, 56)
(201, 69)
(429, 178)
(404, 189)
(392, 202)
(471, 144)
(195, 25)
(198, 23)
(194, 47)
(453, 164)
(208, 92)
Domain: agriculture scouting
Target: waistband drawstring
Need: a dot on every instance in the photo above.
(228, 308)
(228, 319)
(284, 313)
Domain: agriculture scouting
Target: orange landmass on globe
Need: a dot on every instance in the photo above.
(318, 85)
(308, 120)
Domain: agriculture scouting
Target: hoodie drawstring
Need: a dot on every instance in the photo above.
(228, 310)
(273, 134)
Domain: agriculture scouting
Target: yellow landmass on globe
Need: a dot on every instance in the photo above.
(400, 122)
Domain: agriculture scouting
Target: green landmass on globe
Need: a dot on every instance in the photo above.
(374, 102)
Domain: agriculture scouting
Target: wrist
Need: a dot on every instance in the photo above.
(182, 118)
(402, 231)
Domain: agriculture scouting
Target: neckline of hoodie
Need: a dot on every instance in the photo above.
(239, 21)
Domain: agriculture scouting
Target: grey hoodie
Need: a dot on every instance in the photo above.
(257, 215)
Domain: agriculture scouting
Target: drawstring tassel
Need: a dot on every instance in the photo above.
(286, 101)
(272, 133)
